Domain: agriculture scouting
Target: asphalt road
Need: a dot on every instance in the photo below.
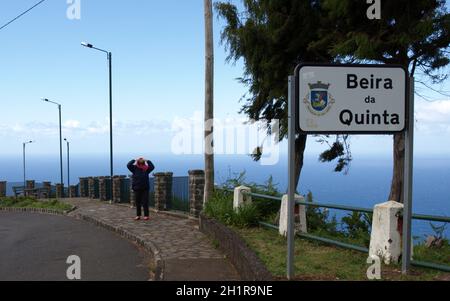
(35, 247)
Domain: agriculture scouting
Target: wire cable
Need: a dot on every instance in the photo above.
(25, 12)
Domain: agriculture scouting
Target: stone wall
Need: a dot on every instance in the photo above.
(102, 188)
(117, 188)
(30, 184)
(59, 191)
(72, 191)
(48, 187)
(3, 188)
(196, 191)
(91, 187)
(84, 187)
(132, 197)
(163, 190)
(246, 262)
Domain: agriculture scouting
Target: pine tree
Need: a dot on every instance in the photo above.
(272, 37)
(412, 33)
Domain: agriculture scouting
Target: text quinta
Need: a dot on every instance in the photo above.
(353, 82)
(349, 118)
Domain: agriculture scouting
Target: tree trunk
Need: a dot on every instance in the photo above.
(209, 102)
(396, 193)
(300, 145)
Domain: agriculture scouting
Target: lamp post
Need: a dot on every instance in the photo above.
(60, 139)
(24, 169)
(109, 57)
(68, 163)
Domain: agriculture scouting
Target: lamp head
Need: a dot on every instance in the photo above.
(85, 44)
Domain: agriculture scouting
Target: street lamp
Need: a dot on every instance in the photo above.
(24, 175)
(109, 57)
(60, 139)
(68, 163)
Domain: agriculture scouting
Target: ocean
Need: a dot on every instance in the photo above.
(366, 184)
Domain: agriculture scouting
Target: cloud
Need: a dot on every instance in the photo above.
(433, 116)
(95, 128)
(72, 124)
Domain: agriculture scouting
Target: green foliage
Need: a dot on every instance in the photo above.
(272, 37)
(435, 255)
(358, 226)
(439, 230)
(26, 202)
(220, 207)
(266, 208)
(319, 219)
(414, 34)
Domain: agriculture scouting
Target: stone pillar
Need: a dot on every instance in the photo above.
(48, 189)
(299, 216)
(117, 189)
(72, 191)
(2, 188)
(386, 236)
(91, 187)
(132, 198)
(196, 191)
(163, 190)
(30, 184)
(59, 191)
(240, 197)
(96, 188)
(102, 189)
(84, 187)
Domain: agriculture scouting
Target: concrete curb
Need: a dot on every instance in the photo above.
(147, 245)
(37, 210)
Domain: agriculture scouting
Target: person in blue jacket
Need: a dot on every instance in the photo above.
(141, 170)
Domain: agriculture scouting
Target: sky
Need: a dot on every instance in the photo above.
(158, 78)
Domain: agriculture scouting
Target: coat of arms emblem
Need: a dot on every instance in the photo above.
(319, 101)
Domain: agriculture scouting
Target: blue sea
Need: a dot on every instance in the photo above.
(366, 184)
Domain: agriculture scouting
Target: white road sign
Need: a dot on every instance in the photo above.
(351, 98)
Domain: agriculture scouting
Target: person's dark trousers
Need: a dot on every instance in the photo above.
(142, 201)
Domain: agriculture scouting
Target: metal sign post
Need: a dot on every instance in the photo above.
(291, 176)
(351, 99)
(408, 182)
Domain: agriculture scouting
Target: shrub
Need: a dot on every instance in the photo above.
(357, 226)
(319, 219)
(220, 207)
(265, 208)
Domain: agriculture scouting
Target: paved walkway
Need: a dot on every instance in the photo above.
(181, 251)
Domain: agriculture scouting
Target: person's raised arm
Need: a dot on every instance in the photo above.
(151, 167)
(131, 166)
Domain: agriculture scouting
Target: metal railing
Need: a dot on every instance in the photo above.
(341, 244)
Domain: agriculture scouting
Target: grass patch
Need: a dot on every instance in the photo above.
(220, 207)
(317, 261)
(434, 254)
(33, 203)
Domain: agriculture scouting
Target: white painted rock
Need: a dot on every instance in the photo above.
(386, 239)
(240, 198)
(300, 216)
